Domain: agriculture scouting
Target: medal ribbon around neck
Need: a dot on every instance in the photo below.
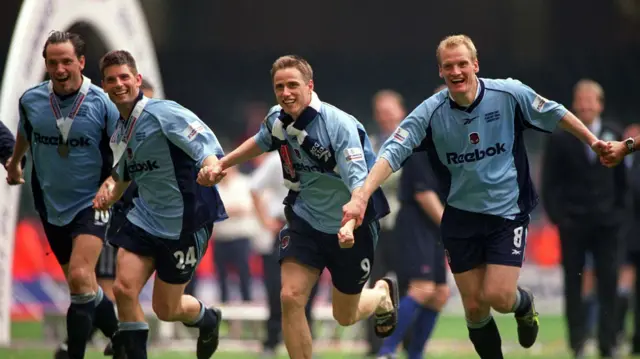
(64, 122)
(122, 135)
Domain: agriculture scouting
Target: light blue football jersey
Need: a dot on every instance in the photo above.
(62, 187)
(323, 193)
(163, 157)
(480, 150)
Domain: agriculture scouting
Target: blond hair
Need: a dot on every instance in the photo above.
(293, 61)
(454, 41)
(588, 84)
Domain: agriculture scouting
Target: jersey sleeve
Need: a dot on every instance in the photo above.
(539, 113)
(263, 137)
(268, 175)
(350, 160)
(185, 130)
(410, 133)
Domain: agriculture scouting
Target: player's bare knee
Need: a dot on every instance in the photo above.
(123, 291)
(422, 291)
(292, 298)
(345, 317)
(500, 299)
(80, 280)
(165, 311)
(475, 308)
(440, 297)
(477, 313)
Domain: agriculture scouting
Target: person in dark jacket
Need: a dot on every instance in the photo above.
(588, 203)
(628, 273)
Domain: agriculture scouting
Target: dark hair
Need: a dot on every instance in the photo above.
(146, 85)
(118, 57)
(59, 37)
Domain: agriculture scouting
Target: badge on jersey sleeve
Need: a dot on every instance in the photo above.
(538, 103)
(353, 154)
(400, 135)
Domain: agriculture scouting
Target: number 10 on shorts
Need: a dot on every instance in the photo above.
(189, 259)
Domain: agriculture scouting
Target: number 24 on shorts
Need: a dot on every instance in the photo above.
(189, 259)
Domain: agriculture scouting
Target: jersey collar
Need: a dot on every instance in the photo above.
(140, 96)
(307, 115)
(474, 104)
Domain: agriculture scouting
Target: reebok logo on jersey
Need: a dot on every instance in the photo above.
(400, 135)
(143, 167)
(477, 155)
(55, 140)
(469, 120)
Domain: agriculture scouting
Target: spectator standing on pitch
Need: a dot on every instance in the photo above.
(233, 237)
(422, 268)
(388, 112)
(631, 265)
(588, 204)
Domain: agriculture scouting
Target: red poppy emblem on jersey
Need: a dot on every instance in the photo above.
(129, 153)
(474, 138)
(295, 150)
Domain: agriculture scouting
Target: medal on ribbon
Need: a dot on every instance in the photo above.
(64, 122)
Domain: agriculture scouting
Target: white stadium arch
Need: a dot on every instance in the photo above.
(121, 24)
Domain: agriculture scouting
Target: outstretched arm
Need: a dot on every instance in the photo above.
(246, 151)
(409, 135)
(573, 125)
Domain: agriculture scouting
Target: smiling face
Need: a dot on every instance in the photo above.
(292, 90)
(121, 84)
(64, 67)
(458, 68)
